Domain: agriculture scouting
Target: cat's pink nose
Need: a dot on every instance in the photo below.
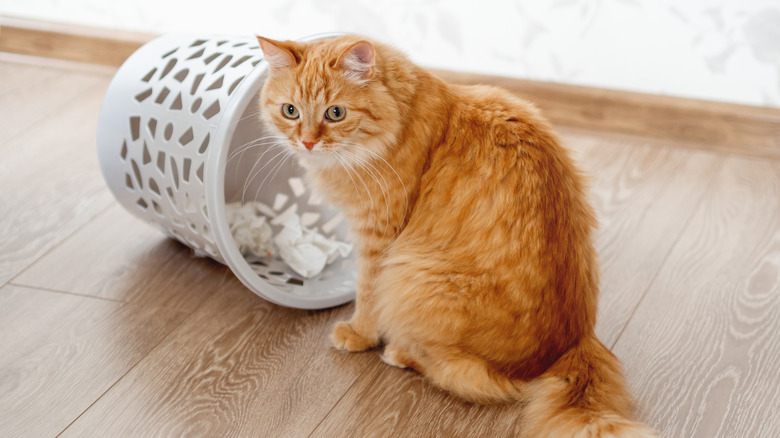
(309, 144)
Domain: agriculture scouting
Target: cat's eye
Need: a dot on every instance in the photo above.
(290, 111)
(336, 113)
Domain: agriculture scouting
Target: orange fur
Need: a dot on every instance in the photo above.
(477, 263)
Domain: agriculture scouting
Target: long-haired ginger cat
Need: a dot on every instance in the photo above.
(477, 266)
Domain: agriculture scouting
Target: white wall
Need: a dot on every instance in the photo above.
(727, 50)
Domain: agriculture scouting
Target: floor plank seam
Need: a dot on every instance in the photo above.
(324, 417)
(65, 292)
(82, 68)
(43, 117)
(708, 185)
(671, 143)
(129, 370)
(56, 245)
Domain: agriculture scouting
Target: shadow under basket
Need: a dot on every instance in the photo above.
(179, 137)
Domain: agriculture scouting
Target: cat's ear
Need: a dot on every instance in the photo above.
(278, 56)
(358, 61)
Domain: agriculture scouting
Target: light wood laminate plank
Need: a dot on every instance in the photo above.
(50, 183)
(387, 401)
(239, 366)
(59, 353)
(31, 96)
(643, 195)
(703, 349)
(119, 257)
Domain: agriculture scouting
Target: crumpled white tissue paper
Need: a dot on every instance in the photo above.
(250, 229)
(305, 250)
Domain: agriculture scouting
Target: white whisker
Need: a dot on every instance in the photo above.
(265, 141)
(252, 114)
(367, 166)
(386, 163)
(254, 143)
(345, 165)
(368, 192)
(273, 172)
(254, 174)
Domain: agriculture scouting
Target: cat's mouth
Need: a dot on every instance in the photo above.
(321, 155)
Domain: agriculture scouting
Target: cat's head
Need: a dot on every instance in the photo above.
(326, 100)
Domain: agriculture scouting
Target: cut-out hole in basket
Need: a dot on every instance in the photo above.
(137, 173)
(162, 95)
(154, 187)
(161, 161)
(185, 172)
(241, 60)
(177, 104)
(309, 219)
(147, 157)
(188, 204)
(235, 84)
(172, 200)
(212, 57)
(212, 111)
(142, 203)
(140, 97)
(197, 54)
(149, 75)
(205, 144)
(216, 84)
(187, 137)
(182, 74)
(199, 172)
(196, 82)
(196, 105)
(295, 281)
(135, 127)
(175, 173)
(168, 68)
(152, 125)
(331, 225)
(198, 43)
(168, 133)
(223, 63)
(128, 181)
(170, 53)
(123, 151)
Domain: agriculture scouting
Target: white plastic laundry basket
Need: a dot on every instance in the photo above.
(175, 144)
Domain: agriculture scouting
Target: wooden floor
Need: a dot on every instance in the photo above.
(107, 328)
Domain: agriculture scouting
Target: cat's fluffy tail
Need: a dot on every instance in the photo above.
(582, 395)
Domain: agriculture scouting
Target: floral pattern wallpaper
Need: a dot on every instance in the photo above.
(723, 50)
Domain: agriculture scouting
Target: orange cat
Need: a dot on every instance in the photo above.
(477, 263)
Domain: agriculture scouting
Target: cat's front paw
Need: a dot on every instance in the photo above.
(344, 337)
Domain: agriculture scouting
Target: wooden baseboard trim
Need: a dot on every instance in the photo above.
(69, 42)
(717, 126)
(723, 127)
